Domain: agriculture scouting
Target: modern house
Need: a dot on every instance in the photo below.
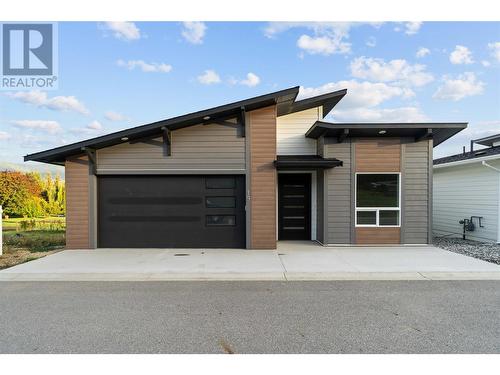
(467, 189)
(250, 173)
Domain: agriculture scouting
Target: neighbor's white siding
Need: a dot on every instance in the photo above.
(291, 130)
(463, 191)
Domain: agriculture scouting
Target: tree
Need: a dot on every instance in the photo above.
(16, 188)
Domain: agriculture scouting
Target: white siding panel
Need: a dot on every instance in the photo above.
(463, 191)
(291, 130)
(194, 148)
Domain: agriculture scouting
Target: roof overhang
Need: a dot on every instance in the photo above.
(326, 101)
(490, 141)
(439, 132)
(305, 162)
(283, 100)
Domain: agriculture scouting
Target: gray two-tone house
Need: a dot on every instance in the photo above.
(250, 173)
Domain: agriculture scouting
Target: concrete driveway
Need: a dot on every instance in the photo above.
(291, 261)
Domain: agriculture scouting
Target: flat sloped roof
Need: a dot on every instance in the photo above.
(438, 131)
(283, 99)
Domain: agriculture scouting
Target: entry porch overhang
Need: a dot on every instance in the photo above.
(305, 162)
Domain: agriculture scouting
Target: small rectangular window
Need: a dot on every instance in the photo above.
(221, 220)
(366, 218)
(220, 202)
(220, 183)
(388, 217)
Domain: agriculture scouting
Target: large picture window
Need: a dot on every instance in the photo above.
(378, 199)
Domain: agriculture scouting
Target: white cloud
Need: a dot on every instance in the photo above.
(51, 127)
(360, 104)
(57, 103)
(398, 71)
(115, 116)
(124, 30)
(371, 42)
(4, 136)
(495, 50)
(194, 32)
(360, 94)
(412, 28)
(485, 63)
(251, 80)
(209, 77)
(461, 55)
(144, 66)
(328, 37)
(91, 129)
(456, 89)
(403, 114)
(94, 125)
(422, 51)
(322, 45)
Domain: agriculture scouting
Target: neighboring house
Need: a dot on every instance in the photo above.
(468, 185)
(249, 173)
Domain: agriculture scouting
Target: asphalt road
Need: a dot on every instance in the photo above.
(250, 317)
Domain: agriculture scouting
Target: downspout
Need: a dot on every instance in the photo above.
(485, 164)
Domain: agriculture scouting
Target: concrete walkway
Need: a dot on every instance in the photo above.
(291, 261)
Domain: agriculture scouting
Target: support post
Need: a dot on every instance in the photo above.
(92, 159)
(167, 141)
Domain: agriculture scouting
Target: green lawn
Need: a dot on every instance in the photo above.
(28, 239)
(34, 240)
(39, 223)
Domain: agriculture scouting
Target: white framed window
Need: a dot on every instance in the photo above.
(378, 199)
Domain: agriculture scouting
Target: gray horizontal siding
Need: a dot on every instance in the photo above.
(200, 147)
(337, 188)
(415, 192)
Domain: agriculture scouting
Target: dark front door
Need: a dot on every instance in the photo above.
(172, 211)
(294, 206)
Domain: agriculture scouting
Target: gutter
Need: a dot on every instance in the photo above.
(498, 208)
(490, 166)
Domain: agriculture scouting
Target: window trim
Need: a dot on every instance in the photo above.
(376, 209)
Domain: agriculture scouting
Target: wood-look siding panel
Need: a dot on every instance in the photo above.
(415, 192)
(378, 155)
(377, 236)
(77, 203)
(194, 148)
(338, 194)
(291, 130)
(263, 179)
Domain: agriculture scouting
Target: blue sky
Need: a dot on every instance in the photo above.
(117, 75)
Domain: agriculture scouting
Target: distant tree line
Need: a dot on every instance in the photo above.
(31, 195)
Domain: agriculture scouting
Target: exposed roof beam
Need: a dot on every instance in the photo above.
(343, 135)
(425, 135)
(167, 141)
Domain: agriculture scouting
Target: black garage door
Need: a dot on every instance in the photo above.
(172, 211)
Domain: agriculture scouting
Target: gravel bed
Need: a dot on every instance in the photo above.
(489, 252)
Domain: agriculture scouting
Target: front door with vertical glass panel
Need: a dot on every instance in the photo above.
(294, 206)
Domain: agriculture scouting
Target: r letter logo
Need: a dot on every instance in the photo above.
(28, 56)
